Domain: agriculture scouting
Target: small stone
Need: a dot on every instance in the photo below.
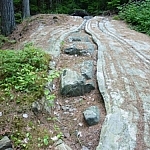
(79, 134)
(66, 113)
(26, 140)
(71, 114)
(84, 148)
(52, 65)
(5, 143)
(54, 87)
(25, 115)
(66, 134)
(56, 113)
(80, 124)
(55, 138)
(1, 114)
(36, 107)
(66, 101)
(92, 115)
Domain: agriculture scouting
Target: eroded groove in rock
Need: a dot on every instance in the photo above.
(57, 36)
(123, 75)
(78, 90)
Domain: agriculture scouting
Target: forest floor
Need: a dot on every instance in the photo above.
(77, 134)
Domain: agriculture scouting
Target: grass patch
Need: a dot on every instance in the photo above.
(137, 14)
(23, 76)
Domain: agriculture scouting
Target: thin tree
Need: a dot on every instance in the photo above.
(26, 9)
(7, 17)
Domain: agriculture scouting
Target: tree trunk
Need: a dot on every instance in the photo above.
(7, 17)
(26, 9)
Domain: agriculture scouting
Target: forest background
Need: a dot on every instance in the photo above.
(24, 73)
(135, 12)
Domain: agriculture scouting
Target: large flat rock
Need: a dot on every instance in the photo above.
(123, 74)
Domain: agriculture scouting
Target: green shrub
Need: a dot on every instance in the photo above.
(23, 70)
(138, 15)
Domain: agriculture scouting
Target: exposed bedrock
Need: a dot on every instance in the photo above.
(123, 78)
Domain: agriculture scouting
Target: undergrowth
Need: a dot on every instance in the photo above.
(23, 76)
(23, 71)
(138, 15)
(4, 39)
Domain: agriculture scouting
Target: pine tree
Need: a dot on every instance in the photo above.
(26, 9)
(7, 17)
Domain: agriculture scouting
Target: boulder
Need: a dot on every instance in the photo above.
(5, 143)
(79, 48)
(92, 115)
(73, 83)
(87, 69)
(89, 86)
(80, 13)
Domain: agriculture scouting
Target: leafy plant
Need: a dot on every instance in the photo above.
(137, 14)
(49, 97)
(18, 17)
(113, 4)
(23, 76)
(43, 141)
(53, 74)
(23, 70)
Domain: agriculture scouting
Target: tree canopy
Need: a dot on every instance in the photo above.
(23, 8)
(68, 6)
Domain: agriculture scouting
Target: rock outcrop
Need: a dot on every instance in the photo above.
(123, 77)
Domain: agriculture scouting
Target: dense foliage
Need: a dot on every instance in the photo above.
(138, 15)
(68, 6)
(23, 70)
(135, 12)
(23, 76)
